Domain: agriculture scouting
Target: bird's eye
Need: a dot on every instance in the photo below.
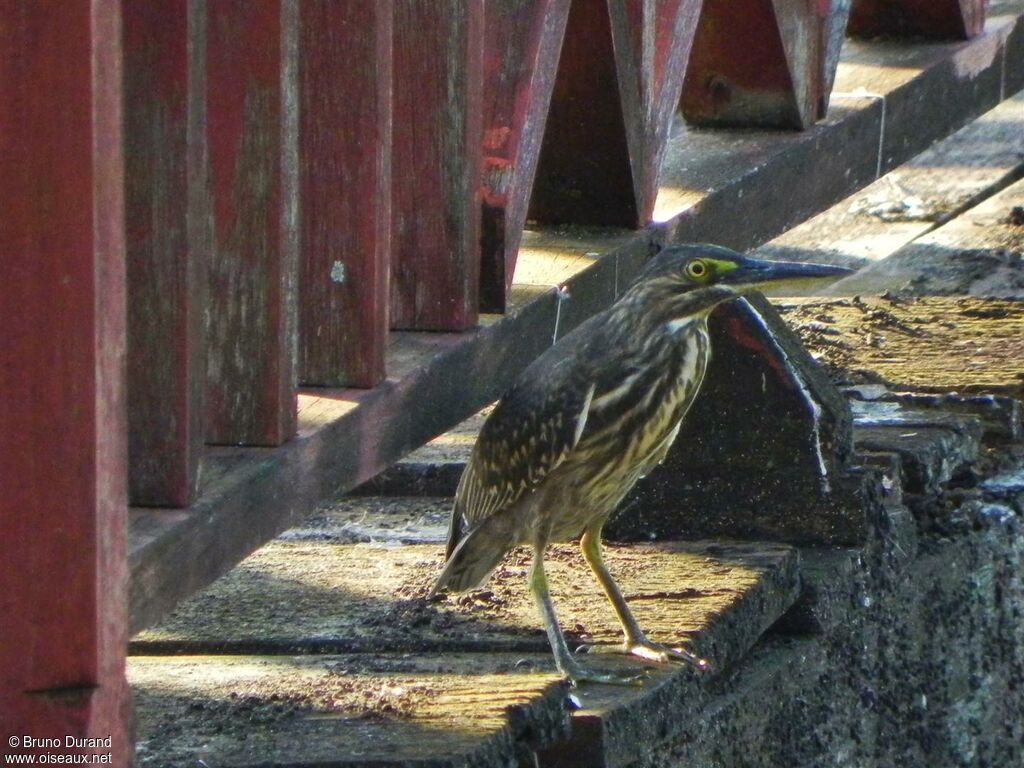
(696, 269)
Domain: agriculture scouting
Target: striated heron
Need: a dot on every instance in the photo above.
(587, 419)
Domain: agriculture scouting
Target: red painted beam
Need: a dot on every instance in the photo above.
(617, 87)
(345, 189)
(168, 242)
(944, 19)
(438, 91)
(766, 63)
(652, 40)
(62, 343)
(521, 49)
(253, 143)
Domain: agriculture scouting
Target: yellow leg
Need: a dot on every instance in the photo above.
(636, 642)
(567, 665)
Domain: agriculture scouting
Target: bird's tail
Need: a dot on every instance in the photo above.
(477, 555)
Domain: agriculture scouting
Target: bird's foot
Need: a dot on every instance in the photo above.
(577, 673)
(645, 649)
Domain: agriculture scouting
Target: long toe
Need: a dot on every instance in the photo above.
(645, 649)
(585, 675)
(577, 673)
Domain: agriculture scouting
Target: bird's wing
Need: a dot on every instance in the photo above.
(529, 433)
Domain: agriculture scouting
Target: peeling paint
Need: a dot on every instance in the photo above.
(338, 272)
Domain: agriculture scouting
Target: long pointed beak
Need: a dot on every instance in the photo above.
(757, 271)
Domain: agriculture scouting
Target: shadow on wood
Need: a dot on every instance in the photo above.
(948, 19)
(617, 88)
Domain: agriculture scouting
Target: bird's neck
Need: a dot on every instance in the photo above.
(655, 311)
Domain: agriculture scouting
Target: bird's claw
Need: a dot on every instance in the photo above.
(645, 649)
(578, 674)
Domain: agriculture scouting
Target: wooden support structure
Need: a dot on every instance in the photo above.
(251, 77)
(617, 87)
(766, 63)
(62, 343)
(168, 239)
(438, 92)
(944, 19)
(345, 190)
(522, 44)
(713, 190)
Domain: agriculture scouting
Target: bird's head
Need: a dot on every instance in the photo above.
(684, 280)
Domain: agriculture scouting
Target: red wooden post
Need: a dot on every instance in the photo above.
(251, 75)
(438, 90)
(957, 19)
(345, 188)
(618, 85)
(62, 342)
(522, 42)
(168, 243)
(767, 63)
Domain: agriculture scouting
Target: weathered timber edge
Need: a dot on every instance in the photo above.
(347, 436)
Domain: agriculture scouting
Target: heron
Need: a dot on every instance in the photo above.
(585, 421)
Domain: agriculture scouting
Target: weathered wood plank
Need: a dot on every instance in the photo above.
(438, 113)
(931, 189)
(958, 19)
(617, 87)
(978, 253)
(251, 77)
(62, 400)
(929, 344)
(954, 425)
(312, 594)
(168, 241)
(522, 43)
(345, 187)
(380, 710)
(764, 62)
(353, 434)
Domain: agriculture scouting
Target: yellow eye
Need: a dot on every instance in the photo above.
(697, 269)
